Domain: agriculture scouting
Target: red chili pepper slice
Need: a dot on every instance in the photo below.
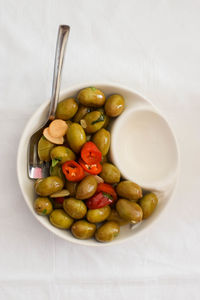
(73, 171)
(107, 188)
(59, 200)
(90, 153)
(99, 200)
(93, 169)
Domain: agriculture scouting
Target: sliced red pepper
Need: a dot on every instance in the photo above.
(107, 188)
(59, 200)
(93, 169)
(73, 171)
(99, 200)
(90, 153)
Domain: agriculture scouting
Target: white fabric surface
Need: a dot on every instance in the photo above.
(151, 46)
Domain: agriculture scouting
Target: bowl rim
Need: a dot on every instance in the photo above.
(77, 87)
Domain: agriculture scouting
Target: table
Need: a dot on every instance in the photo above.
(151, 46)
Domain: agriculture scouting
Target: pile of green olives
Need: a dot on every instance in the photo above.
(95, 205)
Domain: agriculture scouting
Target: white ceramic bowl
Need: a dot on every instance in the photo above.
(133, 100)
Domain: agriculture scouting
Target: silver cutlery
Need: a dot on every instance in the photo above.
(36, 168)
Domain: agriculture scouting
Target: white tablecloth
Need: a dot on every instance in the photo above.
(151, 46)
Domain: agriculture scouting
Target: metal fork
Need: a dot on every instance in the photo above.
(36, 168)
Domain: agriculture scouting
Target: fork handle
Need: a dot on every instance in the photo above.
(62, 38)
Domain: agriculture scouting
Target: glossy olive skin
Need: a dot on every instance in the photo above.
(114, 216)
(43, 206)
(44, 149)
(82, 111)
(86, 188)
(129, 190)
(114, 105)
(129, 210)
(60, 219)
(91, 121)
(49, 185)
(98, 215)
(148, 204)
(91, 97)
(75, 208)
(66, 109)
(102, 140)
(110, 173)
(83, 230)
(71, 187)
(107, 119)
(63, 154)
(76, 137)
(107, 232)
(57, 171)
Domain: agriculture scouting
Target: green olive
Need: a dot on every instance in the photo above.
(106, 118)
(66, 109)
(114, 216)
(60, 219)
(129, 210)
(102, 140)
(110, 173)
(44, 149)
(83, 230)
(130, 190)
(91, 97)
(62, 154)
(107, 232)
(49, 185)
(148, 204)
(76, 137)
(71, 187)
(86, 188)
(82, 111)
(98, 215)
(107, 121)
(93, 121)
(57, 171)
(43, 206)
(114, 105)
(75, 208)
